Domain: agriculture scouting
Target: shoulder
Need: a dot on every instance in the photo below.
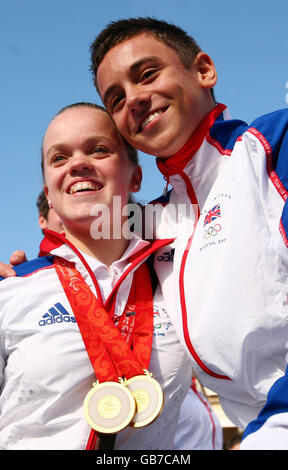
(272, 126)
(224, 133)
(163, 199)
(274, 119)
(272, 131)
(31, 267)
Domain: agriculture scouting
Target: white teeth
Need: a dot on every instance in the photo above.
(84, 185)
(150, 118)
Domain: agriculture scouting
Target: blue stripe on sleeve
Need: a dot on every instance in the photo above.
(277, 402)
(31, 266)
(274, 127)
(227, 132)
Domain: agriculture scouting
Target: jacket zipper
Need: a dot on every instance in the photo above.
(194, 202)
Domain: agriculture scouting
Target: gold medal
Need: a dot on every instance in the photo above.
(149, 399)
(109, 407)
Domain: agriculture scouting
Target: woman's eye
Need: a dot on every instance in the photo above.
(100, 149)
(57, 158)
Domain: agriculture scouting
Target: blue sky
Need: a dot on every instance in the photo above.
(44, 65)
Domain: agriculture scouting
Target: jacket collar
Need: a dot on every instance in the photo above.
(172, 165)
(139, 249)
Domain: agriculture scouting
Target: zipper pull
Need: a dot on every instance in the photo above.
(165, 191)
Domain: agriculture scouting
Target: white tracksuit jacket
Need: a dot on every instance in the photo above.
(231, 266)
(45, 371)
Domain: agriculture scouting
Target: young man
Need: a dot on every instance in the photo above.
(230, 259)
(230, 254)
(47, 217)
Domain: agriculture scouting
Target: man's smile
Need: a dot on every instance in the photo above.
(151, 117)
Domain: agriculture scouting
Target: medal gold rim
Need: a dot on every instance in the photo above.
(125, 422)
(158, 409)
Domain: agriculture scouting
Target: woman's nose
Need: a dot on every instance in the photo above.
(80, 163)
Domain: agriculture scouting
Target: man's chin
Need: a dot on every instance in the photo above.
(162, 146)
(161, 150)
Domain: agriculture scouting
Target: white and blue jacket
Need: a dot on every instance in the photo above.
(45, 371)
(230, 263)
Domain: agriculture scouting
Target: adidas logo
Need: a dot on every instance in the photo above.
(167, 256)
(56, 314)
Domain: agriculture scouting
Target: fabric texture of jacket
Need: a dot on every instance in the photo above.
(230, 184)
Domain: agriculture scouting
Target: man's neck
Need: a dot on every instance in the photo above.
(178, 161)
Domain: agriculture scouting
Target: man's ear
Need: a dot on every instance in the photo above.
(42, 221)
(205, 69)
(135, 184)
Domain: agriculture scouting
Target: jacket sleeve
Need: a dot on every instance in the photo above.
(272, 131)
(2, 363)
(2, 348)
(270, 429)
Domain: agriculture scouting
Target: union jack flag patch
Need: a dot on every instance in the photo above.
(213, 214)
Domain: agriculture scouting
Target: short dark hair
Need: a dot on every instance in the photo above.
(42, 205)
(131, 151)
(118, 31)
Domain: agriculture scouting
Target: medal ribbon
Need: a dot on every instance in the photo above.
(108, 346)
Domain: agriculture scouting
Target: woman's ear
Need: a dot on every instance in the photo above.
(45, 189)
(135, 183)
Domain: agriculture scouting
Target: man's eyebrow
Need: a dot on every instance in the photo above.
(138, 64)
(132, 69)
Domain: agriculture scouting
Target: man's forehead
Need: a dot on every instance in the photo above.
(136, 44)
(138, 50)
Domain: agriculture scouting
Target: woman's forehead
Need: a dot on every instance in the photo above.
(80, 122)
(83, 116)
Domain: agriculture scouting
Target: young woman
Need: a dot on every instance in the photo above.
(80, 331)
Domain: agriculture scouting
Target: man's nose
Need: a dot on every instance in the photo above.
(138, 101)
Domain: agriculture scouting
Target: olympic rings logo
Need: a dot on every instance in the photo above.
(212, 231)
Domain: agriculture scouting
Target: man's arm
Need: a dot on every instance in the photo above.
(6, 270)
(270, 430)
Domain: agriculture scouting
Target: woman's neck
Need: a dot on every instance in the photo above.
(105, 250)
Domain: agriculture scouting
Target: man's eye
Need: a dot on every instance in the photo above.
(147, 74)
(116, 101)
